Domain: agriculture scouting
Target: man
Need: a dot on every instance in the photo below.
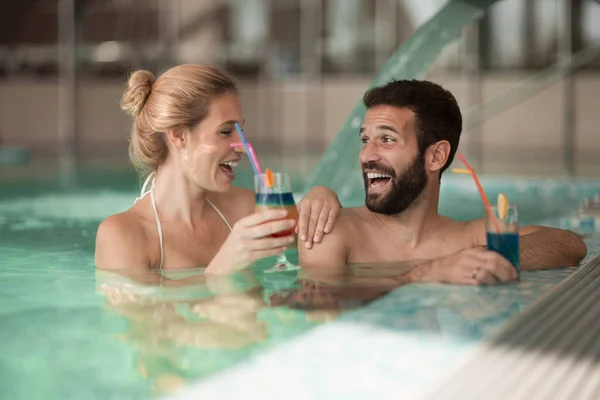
(410, 135)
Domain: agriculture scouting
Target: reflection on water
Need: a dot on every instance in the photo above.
(185, 325)
(58, 335)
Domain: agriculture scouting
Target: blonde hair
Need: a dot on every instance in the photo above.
(179, 98)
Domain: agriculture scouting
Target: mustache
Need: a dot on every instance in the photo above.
(374, 165)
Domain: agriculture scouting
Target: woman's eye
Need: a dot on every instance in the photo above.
(225, 132)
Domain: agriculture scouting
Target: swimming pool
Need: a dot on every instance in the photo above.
(67, 332)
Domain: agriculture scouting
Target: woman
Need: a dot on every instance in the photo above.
(191, 215)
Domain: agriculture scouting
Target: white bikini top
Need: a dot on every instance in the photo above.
(144, 192)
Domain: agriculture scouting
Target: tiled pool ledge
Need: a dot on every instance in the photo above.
(398, 346)
(550, 351)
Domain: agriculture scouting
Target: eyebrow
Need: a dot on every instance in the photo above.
(380, 127)
(232, 121)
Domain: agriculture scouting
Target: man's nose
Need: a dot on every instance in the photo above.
(369, 153)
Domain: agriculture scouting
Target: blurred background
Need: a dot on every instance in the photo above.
(303, 65)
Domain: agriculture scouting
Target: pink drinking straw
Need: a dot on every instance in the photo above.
(249, 149)
(252, 155)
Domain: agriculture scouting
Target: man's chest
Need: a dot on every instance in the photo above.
(379, 247)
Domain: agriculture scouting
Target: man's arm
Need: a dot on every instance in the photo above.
(471, 266)
(541, 247)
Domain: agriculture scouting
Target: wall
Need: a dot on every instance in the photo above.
(527, 139)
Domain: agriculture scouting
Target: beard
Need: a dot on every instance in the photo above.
(405, 188)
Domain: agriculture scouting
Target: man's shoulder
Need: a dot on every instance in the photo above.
(474, 226)
(457, 224)
(334, 248)
(353, 217)
(349, 222)
(468, 232)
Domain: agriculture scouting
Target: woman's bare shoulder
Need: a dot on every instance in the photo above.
(237, 194)
(237, 202)
(126, 224)
(120, 242)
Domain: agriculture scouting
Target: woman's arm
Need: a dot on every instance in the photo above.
(318, 211)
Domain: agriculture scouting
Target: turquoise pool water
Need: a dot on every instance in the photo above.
(69, 333)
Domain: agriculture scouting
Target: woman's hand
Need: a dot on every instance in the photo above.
(318, 211)
(250, 241)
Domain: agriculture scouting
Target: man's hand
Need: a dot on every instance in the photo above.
(473, 266)
(540, 247)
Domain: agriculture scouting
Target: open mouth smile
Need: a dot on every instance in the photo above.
(376, 181)
(227, 168)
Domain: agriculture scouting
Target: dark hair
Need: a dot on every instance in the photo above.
(437, 114)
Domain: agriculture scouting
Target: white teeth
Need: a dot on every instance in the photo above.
(232, 164)
(373, 175)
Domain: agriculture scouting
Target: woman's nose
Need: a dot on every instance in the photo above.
(238, 147)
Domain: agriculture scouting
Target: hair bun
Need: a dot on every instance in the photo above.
(139, 87)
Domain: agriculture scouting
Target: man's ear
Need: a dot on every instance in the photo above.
(437, 155)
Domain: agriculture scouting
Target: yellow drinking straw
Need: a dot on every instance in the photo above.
(484, 198)
(461, 171)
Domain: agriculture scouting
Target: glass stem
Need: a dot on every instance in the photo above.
(282, 259)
